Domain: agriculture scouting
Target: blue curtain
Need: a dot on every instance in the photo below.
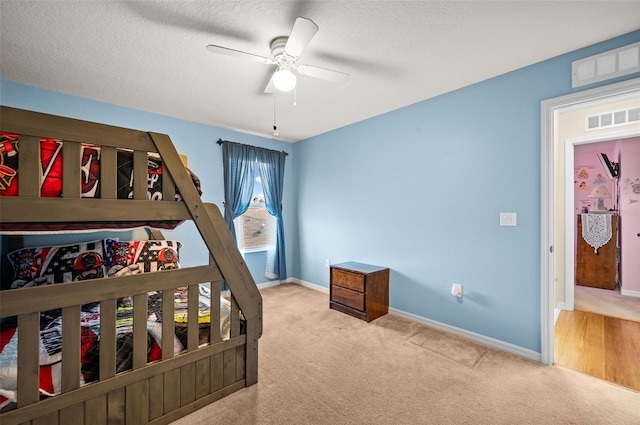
(238, 163)
(271, 169)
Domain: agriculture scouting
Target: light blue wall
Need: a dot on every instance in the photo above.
(197, 141)
(420, 189)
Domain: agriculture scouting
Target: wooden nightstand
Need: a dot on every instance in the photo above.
(360, 290)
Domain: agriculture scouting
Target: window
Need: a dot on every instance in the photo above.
(256, 228)
(250, 228)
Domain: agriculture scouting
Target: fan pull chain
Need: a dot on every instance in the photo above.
(295, 102)
(276, 133)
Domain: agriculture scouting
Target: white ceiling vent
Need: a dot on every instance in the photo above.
(611, 64)
(612, 119)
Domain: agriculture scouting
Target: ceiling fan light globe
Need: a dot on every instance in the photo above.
(284, 80)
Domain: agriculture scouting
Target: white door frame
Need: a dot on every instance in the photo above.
(549, 108)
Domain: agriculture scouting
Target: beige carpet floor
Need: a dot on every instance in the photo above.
(607, 302)
(319, 366)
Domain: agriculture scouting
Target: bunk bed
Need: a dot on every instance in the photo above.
(189, 362)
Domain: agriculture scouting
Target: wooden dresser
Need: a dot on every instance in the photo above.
(597, 270)
(360, 290)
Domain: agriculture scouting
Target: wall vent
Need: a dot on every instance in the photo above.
(612, 119)
(611, 64)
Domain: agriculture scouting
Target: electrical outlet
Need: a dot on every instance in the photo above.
(456, 290)
(327, 263)
(508, 219)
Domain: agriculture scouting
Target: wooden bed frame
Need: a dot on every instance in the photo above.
(150, 393)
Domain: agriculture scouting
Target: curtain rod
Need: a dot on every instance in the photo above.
(220, 142)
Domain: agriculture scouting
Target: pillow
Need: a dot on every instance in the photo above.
(51, 167)
(141, 256)
(56, 264)
(125, 176)
(8, 164)
(155, 171)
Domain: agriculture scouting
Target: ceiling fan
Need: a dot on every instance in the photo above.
(284, 53)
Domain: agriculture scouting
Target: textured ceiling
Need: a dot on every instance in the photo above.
(152, 56)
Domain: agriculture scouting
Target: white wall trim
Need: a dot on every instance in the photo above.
(480, 339)
(614, 135)
(629, 293)
(269, 284)
(559, 308)
(569, 226)
(475, 337)
(310, 285)
(546, 228)
(296, 281)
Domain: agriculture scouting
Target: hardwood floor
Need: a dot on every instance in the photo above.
(601, 346)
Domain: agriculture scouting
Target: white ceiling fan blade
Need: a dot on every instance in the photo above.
(238, 54)
(323, 73)
(301, 34)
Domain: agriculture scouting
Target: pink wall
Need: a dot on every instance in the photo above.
(629, 187)
(588, 172)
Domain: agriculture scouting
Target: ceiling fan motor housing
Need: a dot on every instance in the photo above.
(278, 54)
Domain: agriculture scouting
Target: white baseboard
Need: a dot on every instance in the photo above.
(557, 311)
(269, 284)
(293, 280)
(629, 293)
(309, 285)
(475, 337)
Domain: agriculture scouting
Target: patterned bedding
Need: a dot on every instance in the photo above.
(91, 260)
(51, 181)
(51, 341)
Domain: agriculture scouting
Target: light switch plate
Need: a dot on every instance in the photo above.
(508, 219)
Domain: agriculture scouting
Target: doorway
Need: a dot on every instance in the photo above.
(595, 336)
(554, 232)
(606, 142)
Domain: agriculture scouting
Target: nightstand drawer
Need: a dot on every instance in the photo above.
(348, 280)
(353, 299)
